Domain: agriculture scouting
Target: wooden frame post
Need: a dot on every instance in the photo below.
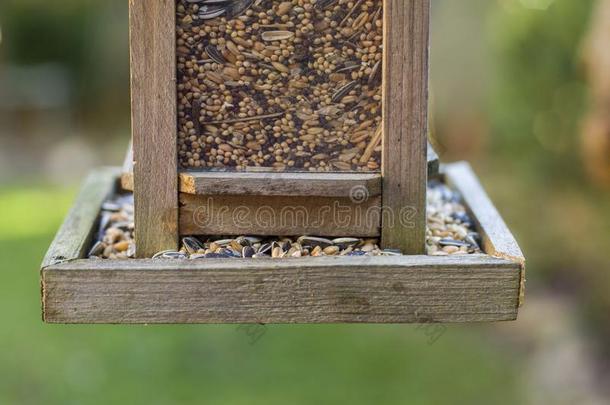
(153, 121)
(405, 124)
(405, 121)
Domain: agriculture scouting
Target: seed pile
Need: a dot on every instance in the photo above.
(255, 247)
(450, 231)
(279, 85)
(114, 239)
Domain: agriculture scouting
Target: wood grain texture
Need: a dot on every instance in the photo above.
(405, 122)
(279, 184)
(498, 241)
(276, 215)
(154, 121)
(74, 236)
(286, 184)
(313, 290)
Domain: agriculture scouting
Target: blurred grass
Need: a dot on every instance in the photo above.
(362, 364)
(509, 93)
(30, 214)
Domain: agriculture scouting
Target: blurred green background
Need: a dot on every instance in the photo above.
(521, 88)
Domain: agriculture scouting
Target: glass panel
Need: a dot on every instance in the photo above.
(271, 85)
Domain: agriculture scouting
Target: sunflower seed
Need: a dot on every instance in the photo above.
(324, 4)
(215, 55)
(211, 12)
(192, 245)
(314, 241)
(343, 91)
(265, 248)
(169, 254)
(97, 249)
(248, 251)
(344, 243)
(238, 7)
(452, 242)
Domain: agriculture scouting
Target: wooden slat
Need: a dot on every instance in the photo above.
(272, 184)
(286, 184)
(154, 121)
(276, 215)
(74, 236)
(405, 122)
(498, 241)
(280, 184)
(309, 290)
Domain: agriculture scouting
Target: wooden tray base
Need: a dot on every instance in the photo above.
(402, 289)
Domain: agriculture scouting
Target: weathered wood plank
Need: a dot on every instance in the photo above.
(405, 123)
(313, 290)
(286, 184)
(277, 215)
(154, 121)
(497, 238)
(74, 236)
(271, 184)
(498, 241)
(280, 184)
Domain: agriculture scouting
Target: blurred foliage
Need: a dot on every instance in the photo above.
(539, 91)
(89, 39)
(534, 169)
(39, 32)
(535, 104)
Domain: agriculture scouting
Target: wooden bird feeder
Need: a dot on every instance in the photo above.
(265, 117)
